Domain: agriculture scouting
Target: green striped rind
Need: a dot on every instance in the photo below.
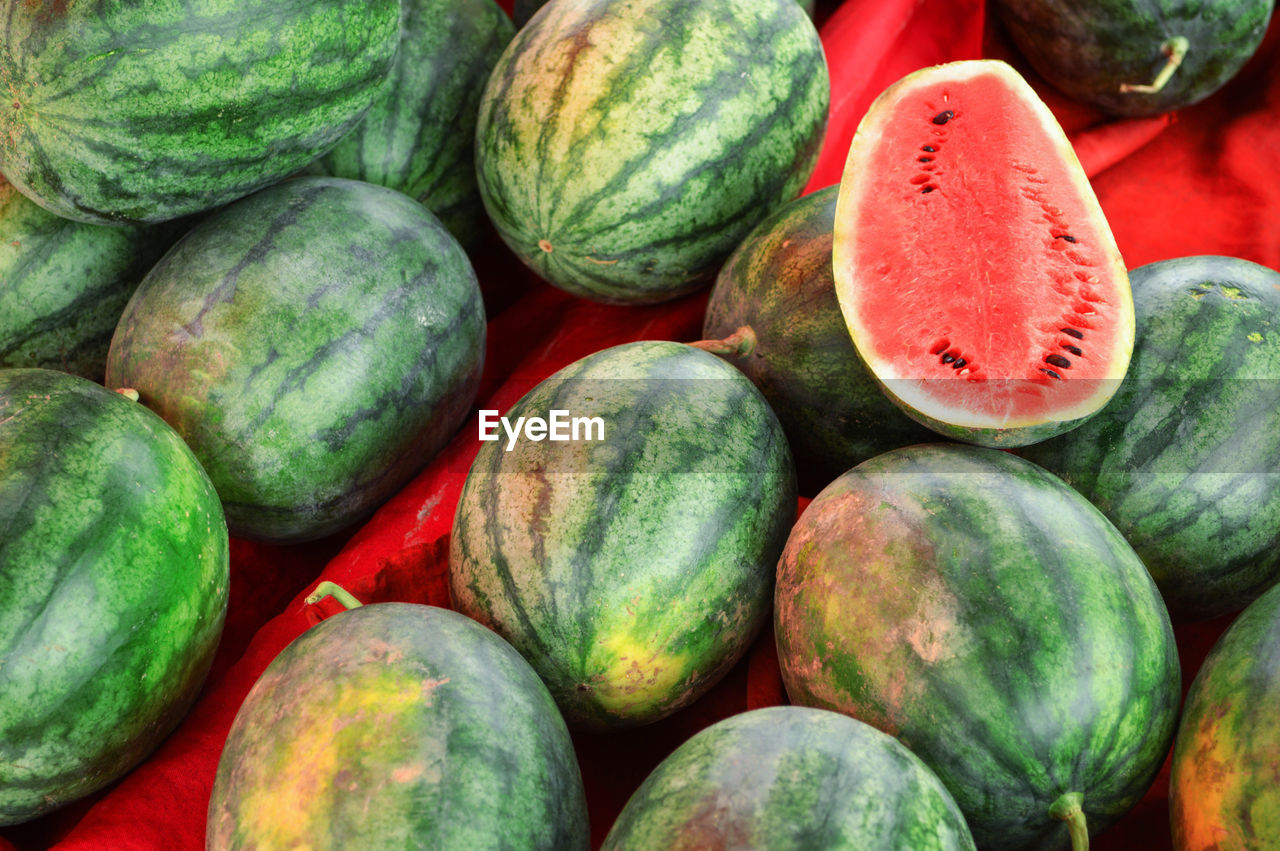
(397, 725)
(974, 606)
(633, 571)
(624, 148)
(1184, 458)
(779, 283)
(64, 284)
(1088, 51)
(146, 112)
(790, 777)
(523, 10)
(1225, 793)
(315, 344)
(419, 136)
(113, 586)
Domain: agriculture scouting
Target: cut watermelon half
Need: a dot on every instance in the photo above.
(975, 269)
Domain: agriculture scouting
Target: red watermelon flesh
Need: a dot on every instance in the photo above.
(975, 269)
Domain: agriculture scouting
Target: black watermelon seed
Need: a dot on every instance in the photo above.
(948, 357)
(1071, 332)
(1058, 360)
(1068, 237)
(960, 362)
(930, 148)
(924, 159)
(1051, 373)
(943, 117)
(928, 189)
(1075, 350)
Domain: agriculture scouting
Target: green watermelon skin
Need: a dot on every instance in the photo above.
(634, 571)
(315, 344)
(779, 283)
(64, 284)
(1183, 458)
(1223, 792)
(791, 777)
(113, 587)
(406, 725)
(624, 148)
(419, 135)
(974, 606)
(523, 10)
(102, 128)
(1090, 50)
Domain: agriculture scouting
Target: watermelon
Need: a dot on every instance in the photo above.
(791, 777)
(314, 343)
(631, 565)
(419, 135)
(978, 276)
(1183, 460)
(625, 147)
(974, 606)
(773, 314)
(113, 586)
(64, 284)
(147, 112)
(1135, 58)
(523, 10)
(1225, 792)
(407, 726)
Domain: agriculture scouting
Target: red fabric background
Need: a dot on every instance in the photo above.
(1201, 181)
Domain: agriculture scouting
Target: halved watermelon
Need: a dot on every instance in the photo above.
(974, 267)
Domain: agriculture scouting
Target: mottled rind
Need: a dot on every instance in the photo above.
(142, 112)
(635, 570)
(974, 606)
(1185, 459)
(624, 147)
(779, 283)
(64, 284)
(1090, 50)
(419, 135)
(790, 777)
(1225, 790)
(315, 344)
(113, 587)
(397, 725)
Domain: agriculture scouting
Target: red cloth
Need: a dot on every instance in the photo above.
(1198, 182)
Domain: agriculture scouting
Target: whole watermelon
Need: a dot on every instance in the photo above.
(314, 343)
(64, 284)
(625, 147)
(774, 300)
(1184, 458)
(404, 726)
(791, 777)
(146, 111)
(631, 565)
(113, 586)
(1225, 793)
(976, 607)
(419, 135)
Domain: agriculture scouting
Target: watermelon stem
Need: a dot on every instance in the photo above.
(1070, 808)
(1175, 50)
(337, 592)
(740, 343)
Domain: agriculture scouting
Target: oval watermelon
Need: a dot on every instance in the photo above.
(407, 725)
(624, 148)
(978, 276)
(1183, 460)
(1224, 792)
(1133, 58)
(143, 112)
(976, 607)
(791, 777)
(419, 135)
(631, 566)
(777, 287)
(315, 344)
(113, 586)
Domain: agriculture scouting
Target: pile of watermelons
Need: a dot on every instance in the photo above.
(405, 408)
